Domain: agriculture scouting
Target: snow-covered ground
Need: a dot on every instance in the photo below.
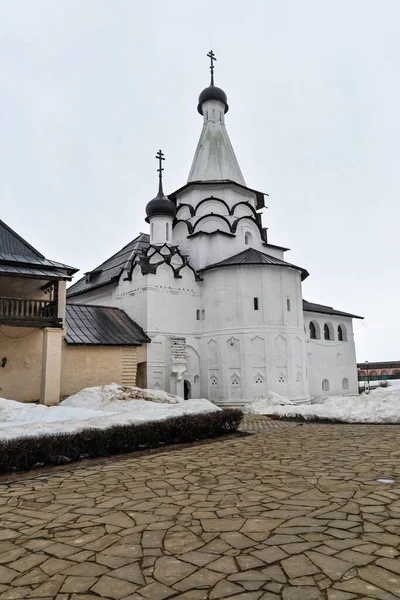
(96, 407)
(381, 405)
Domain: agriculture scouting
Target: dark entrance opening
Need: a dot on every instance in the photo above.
(187, 389)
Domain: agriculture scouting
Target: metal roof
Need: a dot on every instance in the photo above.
(254, 257)
(12, 243)
(35, 272)
(18, 258)
(89, 325)
(110, 270)
(328, 310)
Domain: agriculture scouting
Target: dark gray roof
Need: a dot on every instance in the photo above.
(110, 270)
(12, 243)
(328, 310)
(254, 257)
(18, 258)
(89, 325)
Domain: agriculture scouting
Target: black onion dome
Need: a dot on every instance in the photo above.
(160, 205)
(212, 92)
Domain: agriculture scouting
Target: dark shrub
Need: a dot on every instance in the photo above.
(26, 453)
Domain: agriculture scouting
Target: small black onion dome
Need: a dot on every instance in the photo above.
(160, 205)
(212, 92)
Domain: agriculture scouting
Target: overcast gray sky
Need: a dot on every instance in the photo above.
(90, 89)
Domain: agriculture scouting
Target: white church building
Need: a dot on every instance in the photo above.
(223, 308)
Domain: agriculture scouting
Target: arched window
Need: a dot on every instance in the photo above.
(248, 238)
(288, 304)
(198, 315)
(325, 385)
(196, 379)
(327, 332)
(313, 330)
(167, 231)
(340, 334)
(345, 383)
(361, 373)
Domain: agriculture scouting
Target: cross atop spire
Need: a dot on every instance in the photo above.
(212, 58)
(160, 157)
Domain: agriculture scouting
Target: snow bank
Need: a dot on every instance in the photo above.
(262, 405)
(96, 407)
(382, 405)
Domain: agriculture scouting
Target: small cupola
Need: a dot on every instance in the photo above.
(212, 92)
(160, 212)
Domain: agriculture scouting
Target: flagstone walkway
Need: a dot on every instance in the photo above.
(289, 514)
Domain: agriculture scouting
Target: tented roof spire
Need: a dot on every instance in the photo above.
(214, 158)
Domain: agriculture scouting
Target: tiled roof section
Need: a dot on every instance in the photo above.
(35, 272)
(12, 243)
(328, 310)
(254, 257)
(110, 270)
(89, 325)
(18, 258)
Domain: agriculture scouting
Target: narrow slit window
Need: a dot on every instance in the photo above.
(255, 301)
(197, 315)
(167, 231)
(288, 304)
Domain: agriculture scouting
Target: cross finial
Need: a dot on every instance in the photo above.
(212, 58)
(160, 158)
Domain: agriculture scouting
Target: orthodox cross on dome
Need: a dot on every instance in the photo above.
(160, 157)
(212, 58)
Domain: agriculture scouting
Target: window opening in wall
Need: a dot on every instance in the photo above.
(196, 379)
(313, 331)
(288, 304)
(298, 378)
(152, 230)
(255, 301)
(248, 238)
(203, 315)
(345, 383)
(259, 379)
(342, 334)
(197, 315)
(281, 379)
(235, 380)
(214, 381)
(167, 231)
(325, 385)
(327, 333)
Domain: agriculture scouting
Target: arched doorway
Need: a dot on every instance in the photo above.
(187, 389)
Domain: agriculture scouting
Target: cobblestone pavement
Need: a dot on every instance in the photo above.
(291, 514)
(256, 423)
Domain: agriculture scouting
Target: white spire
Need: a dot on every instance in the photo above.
(214, 158)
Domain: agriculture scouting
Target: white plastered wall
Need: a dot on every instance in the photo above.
(331, 360)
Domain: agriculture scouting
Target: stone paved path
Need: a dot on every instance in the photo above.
(256, 423)
(291, 514)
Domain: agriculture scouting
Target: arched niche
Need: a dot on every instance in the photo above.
(212, 223)
(212, 205)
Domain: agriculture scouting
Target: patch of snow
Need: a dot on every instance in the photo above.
(265, 403)
(381, 405)
(96, 407)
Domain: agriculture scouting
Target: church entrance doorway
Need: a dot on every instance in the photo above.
(187, 389)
